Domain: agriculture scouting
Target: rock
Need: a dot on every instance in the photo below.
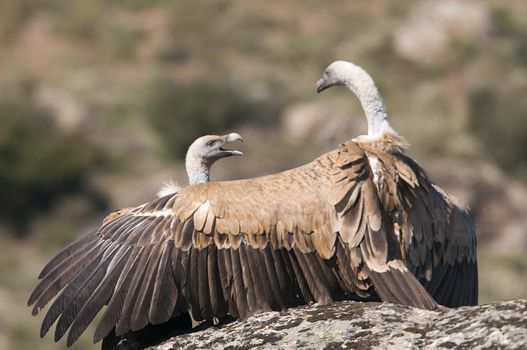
(355, 325)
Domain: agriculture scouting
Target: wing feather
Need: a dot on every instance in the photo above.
(204, 300)
(306, 294)
(99, 297)
(227, 280)
(139, 318)
(192, 293)
(217, 300)
(165, 293)
(67, 294)
(124, 323)
(238, 292)
(61, 275)
(270, 280)
(79, 295)
(284, 274)
(314, 280)
(261, 289)
(248, 283)
(80, 245)
(113, 312)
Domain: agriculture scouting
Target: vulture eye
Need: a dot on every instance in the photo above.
(211, 143)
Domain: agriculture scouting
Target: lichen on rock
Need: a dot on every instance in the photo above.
(352, 325)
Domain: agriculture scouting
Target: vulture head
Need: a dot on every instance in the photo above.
(362, 85)
(344, 73)
(206, 150)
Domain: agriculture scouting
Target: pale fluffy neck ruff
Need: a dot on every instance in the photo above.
(197, 169)
(363, 86)
(387, 140)
(168, 188)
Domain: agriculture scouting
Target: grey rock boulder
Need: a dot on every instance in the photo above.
(355, 325)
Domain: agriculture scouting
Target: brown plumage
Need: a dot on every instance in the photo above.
(201, 155)
(435, 231)
(358, 221)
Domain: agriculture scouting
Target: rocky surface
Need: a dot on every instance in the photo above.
(354, 325)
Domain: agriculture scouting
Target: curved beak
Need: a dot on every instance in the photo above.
(322, 85)
(232, 137)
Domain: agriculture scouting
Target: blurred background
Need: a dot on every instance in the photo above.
(99, 101)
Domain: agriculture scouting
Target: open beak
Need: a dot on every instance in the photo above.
(229, 138)
(322, 85)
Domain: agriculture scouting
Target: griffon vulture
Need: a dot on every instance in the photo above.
(347, 224)
(432, 230)
(200, 156)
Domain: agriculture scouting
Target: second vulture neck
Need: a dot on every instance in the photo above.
(198, 171)
(362, 85)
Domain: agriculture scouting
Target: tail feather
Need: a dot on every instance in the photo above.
(398, 285)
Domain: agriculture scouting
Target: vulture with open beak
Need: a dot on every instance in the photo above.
(201, 154)
(358, 221)
(200, 157)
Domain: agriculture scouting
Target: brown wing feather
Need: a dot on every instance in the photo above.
(217, 299)
(113, 311)
(79, 245)
(435, 232)
(260, 282)
(227, 280)
(239, 294)
(223, 282)
(192, 290)
(204, 301)
(145, 294)
(165, 290)
(125, 321)
(98, 298)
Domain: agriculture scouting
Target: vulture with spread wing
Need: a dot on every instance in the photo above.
(201, 155)
(359, 221)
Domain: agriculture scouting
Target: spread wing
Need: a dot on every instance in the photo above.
(313, 233)
(454, 280)
(435, 231)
